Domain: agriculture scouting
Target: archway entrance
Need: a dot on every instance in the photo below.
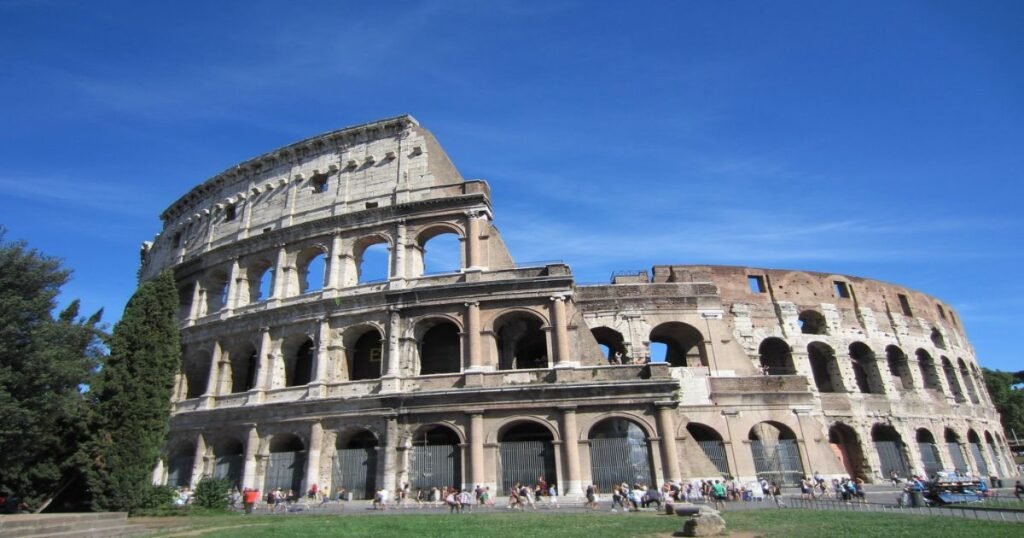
(930, 459)
(974, 442)
(776, 455)
(526, 453)
(286, 464)
(179, 466)
(776, 358)
(435, 459)
(846, 446)
(228, 458)
(711, 443)
(889, 445)
(521, 342)
(824, 367)
(955, 452)
(365, 356)
(684, 344)
(440, 351)
(619, 453)
(355, 464)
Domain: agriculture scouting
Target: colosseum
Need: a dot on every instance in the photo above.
(302, 366)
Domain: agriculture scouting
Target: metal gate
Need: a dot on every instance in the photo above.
(524, 461)
(929, 458)
(778, 461)
(435, 465)
(179, 470)
(617, 460)
(715, 451)
(229, 467)
(955, 452)
(980, 461)
(890, 457)
(284, 470)
(355, 469)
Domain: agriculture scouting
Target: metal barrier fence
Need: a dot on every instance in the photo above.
(968, 512)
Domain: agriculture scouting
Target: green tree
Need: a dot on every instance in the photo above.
(1008, 399)
(133, 397)
(44, 363)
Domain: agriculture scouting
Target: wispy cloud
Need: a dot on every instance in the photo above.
(83, 193)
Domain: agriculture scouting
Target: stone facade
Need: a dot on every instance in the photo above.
(494, 372)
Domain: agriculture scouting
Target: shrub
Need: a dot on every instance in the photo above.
(212, 493)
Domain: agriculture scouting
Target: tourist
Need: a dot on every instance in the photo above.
(465, 501)
(452, 501)
(718, 491)
(1018, 491)
(553, 495)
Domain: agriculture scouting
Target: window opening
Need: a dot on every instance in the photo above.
(229, 213)
(905, 305)
(319, 183)
(942, 313)
(756, 283)
(842, 289)
(373, 264)
(371, 205)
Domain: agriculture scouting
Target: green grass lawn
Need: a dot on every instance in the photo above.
(767, 523)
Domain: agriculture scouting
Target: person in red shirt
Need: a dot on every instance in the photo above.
(249, 498)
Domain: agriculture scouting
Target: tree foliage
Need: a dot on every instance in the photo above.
(132, 397)
(1008, 399)
(213, 493)
(44, 363)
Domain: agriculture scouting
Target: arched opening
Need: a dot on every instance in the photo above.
(366, 355)
(951, 380)
(865, 369)
(244, 365)
(956, 452)
(899, 368)
(929, 374)
(776, 454)
(711, 444)
(812, 322)
(937, 339)
(298, 366)
(776, 358)
(521, 342)
(440, 348)
(824, 367)
(228, 459)
(974, 445)
(286, 464)
(197, 372)
(846, 446)
(619, 453)
(890, 449)
(972, 392)
(526, 453)
(435, 459)
(442, 253)
(261, 281)
(993, 454)
(373, 262)
(611, 342)
(216, 292)
(684, 344)
(179, 465)
(930, 459)
(355, 464)
(312, 265)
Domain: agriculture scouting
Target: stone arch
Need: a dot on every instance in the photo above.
(899, 367)
(260, 274)
(776, 452)
(438, 345)
(215, 284)
(891, 450)
(610, 341)
(525, 452)
(355, 462)
(937, 339)
(244, 360)
(974, 445)
(286, 462)
(299, 353)
(619, 453)
(196, 370)
(364, 345)
(965, 373)
(641, 421)
(931, 461)
(824, 367)
(929, 374)
(435, 457)
(684, 343)
(711, 443)
(495, 434)
(180, 463)
(847, 446)
(366, 274)
(450, 255)
(812, 322)
(311, 265)
(776, 357)
(865, 369)
(521, 340)
(951, 380)
(956, 452)
(228, 458)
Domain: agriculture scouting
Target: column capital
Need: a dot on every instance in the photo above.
(666, 404)
(472, 303)
(473, 412)
(264, 329)
(567, 408)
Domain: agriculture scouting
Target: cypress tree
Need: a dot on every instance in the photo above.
(133, 397)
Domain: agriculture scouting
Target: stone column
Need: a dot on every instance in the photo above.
(667, 432)
(389, 457)
(197, 303)
(560, 332)
(572, 482)
(199, 462)
(316, 438)
(473, 240)
(473, 358)
(281, 275)
(398, 252)
(322, 352)
(252, 446)
(335, 267)
(476, 447)
(262, 366)
(235, 283)
(213, 377)
(392, 358)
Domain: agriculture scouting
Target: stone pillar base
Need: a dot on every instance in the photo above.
(256, 397)
(390, 384)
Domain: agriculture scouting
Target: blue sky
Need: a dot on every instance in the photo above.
(879, 139)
